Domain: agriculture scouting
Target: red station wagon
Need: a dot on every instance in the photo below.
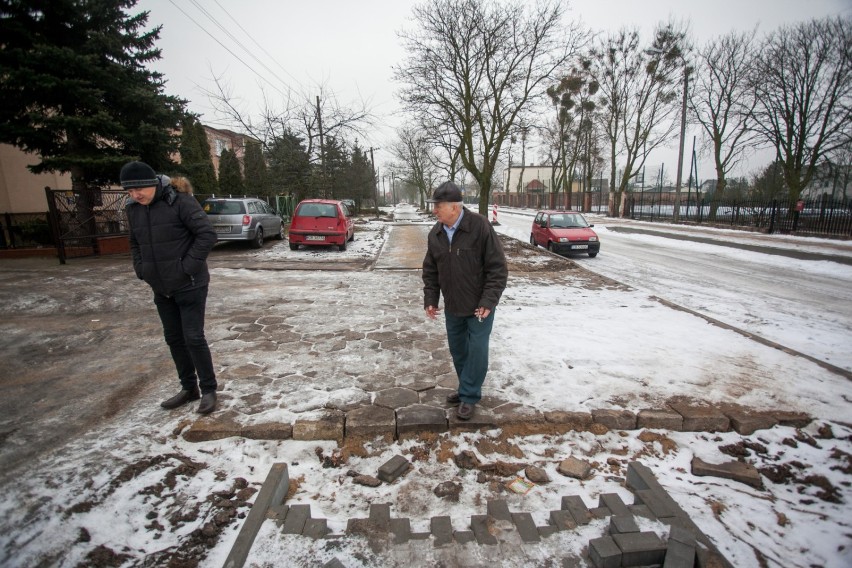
(564, 232)
(321, 222)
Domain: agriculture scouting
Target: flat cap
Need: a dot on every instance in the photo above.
(447, 191)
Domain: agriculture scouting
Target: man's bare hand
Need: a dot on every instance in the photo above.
(432, 312)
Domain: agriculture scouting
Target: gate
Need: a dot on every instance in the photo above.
(87, 223)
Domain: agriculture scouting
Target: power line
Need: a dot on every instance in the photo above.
(249, 67)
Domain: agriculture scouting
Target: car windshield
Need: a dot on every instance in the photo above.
(567, 221)
(221, 207)
(317, 210)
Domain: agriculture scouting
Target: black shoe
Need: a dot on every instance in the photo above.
(208, 403)
(465, 411)
(453, 398)
(181, 398)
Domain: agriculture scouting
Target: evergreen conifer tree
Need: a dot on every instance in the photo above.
(230, 176)
(255, 169)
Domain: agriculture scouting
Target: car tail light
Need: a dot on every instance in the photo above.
(246, 220)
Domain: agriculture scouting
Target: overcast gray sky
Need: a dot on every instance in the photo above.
(351, 46)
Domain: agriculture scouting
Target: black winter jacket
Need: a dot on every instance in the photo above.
(470, 273)
(170, 240)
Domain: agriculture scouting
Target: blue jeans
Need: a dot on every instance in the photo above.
(468, 341)
(183, 327)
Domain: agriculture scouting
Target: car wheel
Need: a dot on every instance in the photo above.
(593, 254)
(352, 238)
(280, 235)
(550, 247)
(342, 246)
(294, 246)
(532, 240)
(257, 241)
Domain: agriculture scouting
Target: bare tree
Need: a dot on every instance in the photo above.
(415, 161)
(638, 89)
(804, 92)
(475, 66)
(722, 101)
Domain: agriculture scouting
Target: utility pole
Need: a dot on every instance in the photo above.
(676, 214)
(375, 185)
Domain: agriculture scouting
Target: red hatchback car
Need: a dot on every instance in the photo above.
(321, 222)
(564, 232)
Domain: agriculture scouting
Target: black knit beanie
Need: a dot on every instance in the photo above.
(138, 174)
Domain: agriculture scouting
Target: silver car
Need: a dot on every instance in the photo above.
(243, 219)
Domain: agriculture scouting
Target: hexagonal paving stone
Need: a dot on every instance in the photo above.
(416, 381)
(396, 398)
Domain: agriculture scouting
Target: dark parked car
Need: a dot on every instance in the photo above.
(564, 232)
(243, 219)
(321, 222)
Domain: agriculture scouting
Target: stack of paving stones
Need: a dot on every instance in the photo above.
(624, 545)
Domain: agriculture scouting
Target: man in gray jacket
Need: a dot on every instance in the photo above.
(170, 238)
(466, 264)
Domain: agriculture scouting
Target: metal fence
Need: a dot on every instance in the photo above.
(818, 217)
(25, 230)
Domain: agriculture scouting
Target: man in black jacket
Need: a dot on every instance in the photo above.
(170, 238)
(464, 262)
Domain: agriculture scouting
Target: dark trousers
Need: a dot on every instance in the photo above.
(183, 327)
(468, 341)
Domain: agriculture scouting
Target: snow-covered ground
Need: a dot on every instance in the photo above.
(135, 493)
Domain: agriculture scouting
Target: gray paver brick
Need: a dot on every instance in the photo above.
(563, 520)
(546, 530)
(578, 509)
(679, 555)
(526, 527)
(658, 503)
(604, 553)
(393, 468)
(499, 509)
(297, 516)
(334, 563)
(640, 549)
(621, 524)
(380, 514)
(316, 528)
(463, 537)
(600, 512)
(401, 530)
(479, 526)
(614, 503)
(442, 530)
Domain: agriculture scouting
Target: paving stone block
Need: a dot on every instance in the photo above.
(380, 515)
(600, 512)
(499, 509)
(621, 524)
(393, 468)
(641, 511)
(639, 476)
(681, 534)
(327, 426)
(794, 419)
(479, 526)
(442, 530)
(545, 531)
(563, 520)
(701, 418)
(463, 537)
(679, 555)
(614, 503)
(396, 398)
(297, 516)
(316, 528)
(401, 530)
(640, 549)
(334, 563)
(529, 419)
(615, 419)
(574, 504)
(213, 427)
(371, 422)
(482, 419)
(267, 431)
(747, 422)
(421, 535)
(604, 553)
(659, 503)
(568, 421)
(736, 470)
(416, 419)
(660, 419)
(526, 527)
